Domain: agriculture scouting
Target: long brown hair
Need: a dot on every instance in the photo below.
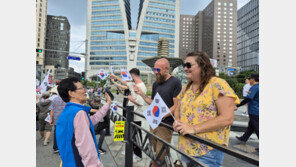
(207, 70)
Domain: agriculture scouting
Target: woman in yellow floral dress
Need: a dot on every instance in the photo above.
(206, 109)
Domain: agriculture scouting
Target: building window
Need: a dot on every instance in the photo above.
(230, 4)
(225, 4)
(219, 3)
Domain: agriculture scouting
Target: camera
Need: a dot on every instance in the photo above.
(107, 90)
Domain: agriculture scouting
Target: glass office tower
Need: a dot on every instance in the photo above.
(248, 36)
(113, 42)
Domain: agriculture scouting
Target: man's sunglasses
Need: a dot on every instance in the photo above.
(156, 69)
(188, 65)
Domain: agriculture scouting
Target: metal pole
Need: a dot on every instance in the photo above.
(129, 144)
(85, 57)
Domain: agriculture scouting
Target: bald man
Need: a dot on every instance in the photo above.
(168, 87)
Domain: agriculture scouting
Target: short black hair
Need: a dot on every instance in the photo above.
(66, 85)
(135, 71)
(255, 77)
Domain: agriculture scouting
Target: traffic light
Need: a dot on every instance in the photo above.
(39, 50)
(83, 76)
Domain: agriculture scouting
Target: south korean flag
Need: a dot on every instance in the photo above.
(114, 107)
(102, 74)
(156, 111)
(125, 75)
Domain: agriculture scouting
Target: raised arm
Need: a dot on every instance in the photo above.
(117, 78)
(118, 85)
(147, 99)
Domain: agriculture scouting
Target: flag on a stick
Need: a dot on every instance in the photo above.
(156, 111)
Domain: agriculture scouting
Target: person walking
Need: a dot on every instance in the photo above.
(74, 129)
(246, 89)
(56, 108)
(168, 88)
(135, 101)
(252, 99)
(42, 108)
(205, 109)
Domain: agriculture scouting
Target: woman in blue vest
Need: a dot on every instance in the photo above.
(75, 128)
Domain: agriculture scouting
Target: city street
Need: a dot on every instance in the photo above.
(113, 158)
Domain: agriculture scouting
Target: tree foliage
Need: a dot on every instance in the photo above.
(237, 82)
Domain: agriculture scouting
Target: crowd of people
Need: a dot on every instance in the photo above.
(203, 107)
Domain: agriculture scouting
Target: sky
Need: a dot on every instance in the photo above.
(75, 11)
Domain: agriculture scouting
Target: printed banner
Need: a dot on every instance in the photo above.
(156, 111)
(119, 131)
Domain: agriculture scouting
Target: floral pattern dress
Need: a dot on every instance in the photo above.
(195, 110)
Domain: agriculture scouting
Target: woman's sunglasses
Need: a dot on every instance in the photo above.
(188, 65)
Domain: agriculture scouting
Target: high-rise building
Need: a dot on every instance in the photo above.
(41, 14)
(213, 31)
(187, 35)
(57, 42)
(113, 42)
(248, 36)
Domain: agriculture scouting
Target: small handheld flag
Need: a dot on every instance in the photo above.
(125, 75)
(156, 111)
(102, 74)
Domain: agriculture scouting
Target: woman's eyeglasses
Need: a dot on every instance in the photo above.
(156, 69)
(188, 65)
(82, 88)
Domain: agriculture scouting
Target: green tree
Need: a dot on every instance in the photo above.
(241, 77)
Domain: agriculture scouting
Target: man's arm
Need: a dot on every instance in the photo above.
(118, 85)
(51, 117)
(84, 140)
(147, 99)
(245, 101)
(117, 78)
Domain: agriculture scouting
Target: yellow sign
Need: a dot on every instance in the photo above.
(119, 131)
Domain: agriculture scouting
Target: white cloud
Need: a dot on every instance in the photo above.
(78, 36)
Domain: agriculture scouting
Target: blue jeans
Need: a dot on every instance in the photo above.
(55, 146)
(213, 158)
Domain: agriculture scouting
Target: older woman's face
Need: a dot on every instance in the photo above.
(80, 93)
(193, 73)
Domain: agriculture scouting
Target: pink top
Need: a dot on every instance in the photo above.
(84, 140)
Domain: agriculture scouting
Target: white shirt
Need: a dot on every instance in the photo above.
(137, 98)
(246, 89)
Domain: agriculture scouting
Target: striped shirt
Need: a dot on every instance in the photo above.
(57, 106)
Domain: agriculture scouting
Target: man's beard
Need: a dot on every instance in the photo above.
(161, 78)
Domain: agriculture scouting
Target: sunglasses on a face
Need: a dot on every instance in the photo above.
(188, 65)
(156, 69)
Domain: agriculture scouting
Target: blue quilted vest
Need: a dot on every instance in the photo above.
(65, 135)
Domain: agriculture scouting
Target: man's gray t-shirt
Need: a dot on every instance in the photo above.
(168, 90)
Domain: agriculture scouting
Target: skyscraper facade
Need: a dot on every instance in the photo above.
(187, 35)
(41, 14)
(213, 31)
(113, 42)
(248, 36)
(57, 38)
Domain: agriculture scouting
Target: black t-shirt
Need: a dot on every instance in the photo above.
(167, 90)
